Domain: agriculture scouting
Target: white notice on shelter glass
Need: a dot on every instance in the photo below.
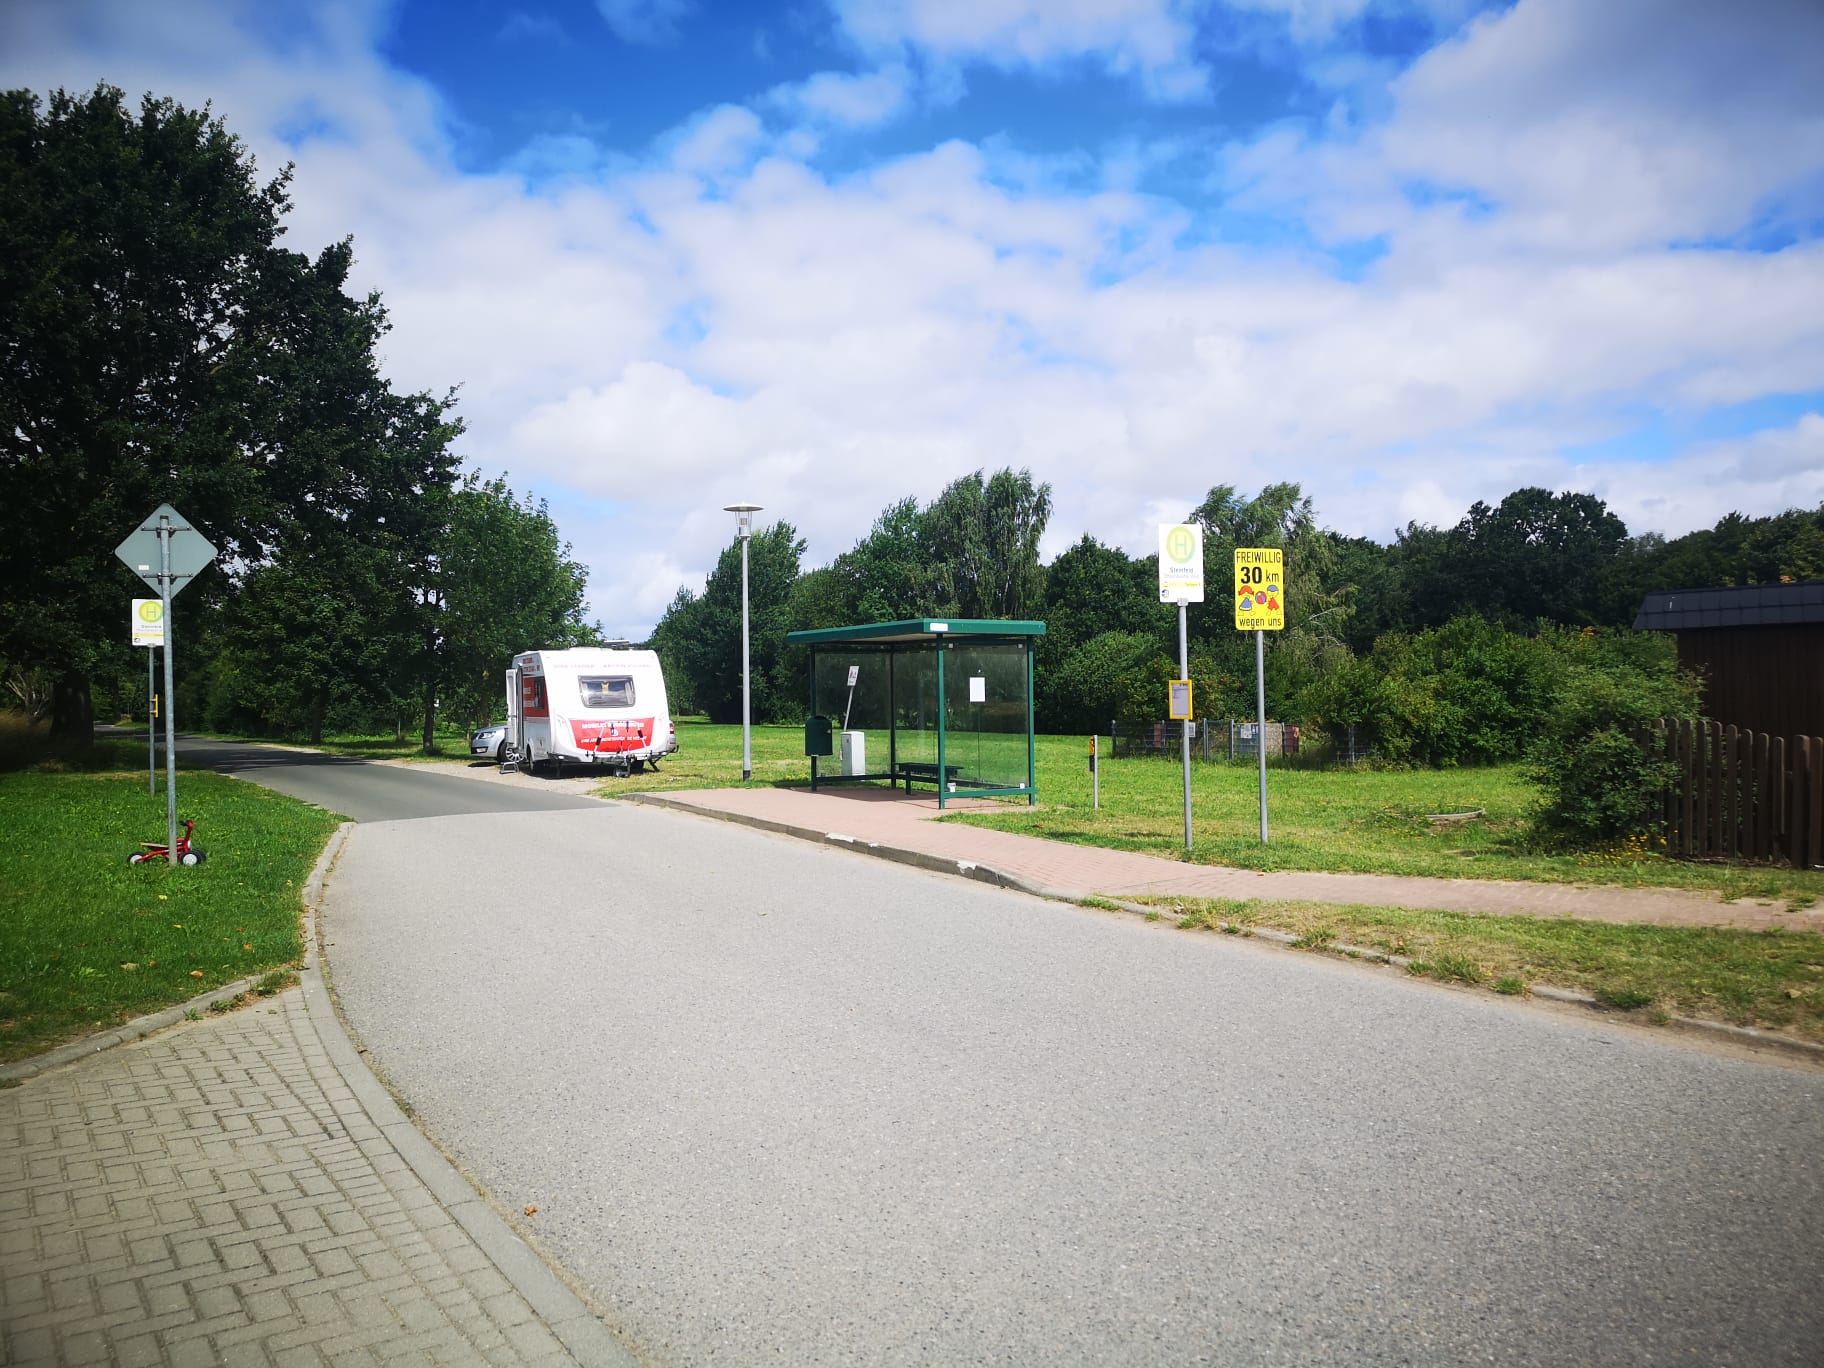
(978, 689)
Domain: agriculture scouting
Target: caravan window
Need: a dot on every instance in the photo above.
(607, 691)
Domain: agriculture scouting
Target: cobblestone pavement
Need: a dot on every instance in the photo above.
(239, 1190)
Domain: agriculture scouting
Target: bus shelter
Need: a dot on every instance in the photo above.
(946, 702)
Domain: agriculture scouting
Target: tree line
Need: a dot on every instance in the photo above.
(161, 344)
(1440, 647)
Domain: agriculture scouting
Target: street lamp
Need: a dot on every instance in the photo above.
(744, 514)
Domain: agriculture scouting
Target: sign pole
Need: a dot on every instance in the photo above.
(1260, 607)
(1184, 728)
(1181, 582)
(1260, 729)
(1095, 779)
(151, 725)
(164, 593)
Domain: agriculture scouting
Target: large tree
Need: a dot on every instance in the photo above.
(505, 583)
(159, 345)
(1534, 557)
(983, 537)
(700, 635)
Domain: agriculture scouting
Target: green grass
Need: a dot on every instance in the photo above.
(91, 941)
(1768, 979)
(1344, 821)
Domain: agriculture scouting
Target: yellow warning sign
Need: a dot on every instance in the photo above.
(1260, 589)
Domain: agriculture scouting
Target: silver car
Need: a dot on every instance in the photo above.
(486, 744)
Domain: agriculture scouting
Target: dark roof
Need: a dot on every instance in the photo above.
(1758, 605)
(919, 629)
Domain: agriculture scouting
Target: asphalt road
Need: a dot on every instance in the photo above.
(369, 792)
(782, 1103)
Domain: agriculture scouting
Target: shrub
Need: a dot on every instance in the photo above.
(1600, 785)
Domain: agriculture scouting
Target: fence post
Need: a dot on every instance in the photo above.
(1816, 843)
(1759, 759)
(1684, 787)
(1797, 805)
(1777, 801)
(1808, 800)
(1732, 798)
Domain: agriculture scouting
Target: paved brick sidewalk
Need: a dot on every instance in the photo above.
(239, 1190)
(874, 816)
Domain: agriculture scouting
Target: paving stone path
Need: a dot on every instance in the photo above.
(238, 1190)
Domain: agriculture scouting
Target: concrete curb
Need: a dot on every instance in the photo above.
(918, 859)
(137, 1029)
(1742, 1035)
(564, 1313)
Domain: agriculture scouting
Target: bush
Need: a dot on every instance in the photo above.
(1469, 692)
(1600, 784)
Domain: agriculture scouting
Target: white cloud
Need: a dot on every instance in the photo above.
(644, 339)
(1562, 126)
(844, 100)
(644, 21)
(1153, 40)
(531, 26)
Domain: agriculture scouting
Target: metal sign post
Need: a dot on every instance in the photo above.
(147, 628)
(1095, 779)
(151, 727)
(1181, 582)
(1260, 607)
(180, 553)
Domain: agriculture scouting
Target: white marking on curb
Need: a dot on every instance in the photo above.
(838, 836)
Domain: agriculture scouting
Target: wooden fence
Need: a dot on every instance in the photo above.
(1742, 795)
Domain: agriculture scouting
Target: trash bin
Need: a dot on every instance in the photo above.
(854, 752)
(819, 735)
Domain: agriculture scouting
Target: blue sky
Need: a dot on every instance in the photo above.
(824, 254)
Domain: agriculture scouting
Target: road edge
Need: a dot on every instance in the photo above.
(563, 1312)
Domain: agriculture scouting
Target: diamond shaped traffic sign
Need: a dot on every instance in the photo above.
(191, 552)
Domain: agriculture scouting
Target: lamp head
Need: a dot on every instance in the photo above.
(744, 512)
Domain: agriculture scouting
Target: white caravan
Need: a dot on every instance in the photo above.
(589, 706)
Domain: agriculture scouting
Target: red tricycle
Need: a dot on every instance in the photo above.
(187, 854)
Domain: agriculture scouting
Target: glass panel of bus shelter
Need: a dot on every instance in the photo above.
(915, 704)
(985, 720)
(862, 708)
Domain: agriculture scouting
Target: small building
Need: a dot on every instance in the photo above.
(1760, 650)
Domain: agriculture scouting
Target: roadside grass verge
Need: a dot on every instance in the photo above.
(1350, 821)
(1347, 821)
(1773, 980)
(90, 941)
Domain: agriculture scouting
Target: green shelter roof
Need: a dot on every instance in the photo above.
(918, 629)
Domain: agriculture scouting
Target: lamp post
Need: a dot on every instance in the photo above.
(744, 514)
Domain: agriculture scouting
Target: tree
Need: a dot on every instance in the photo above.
(983, 537)
(891, 575)
(159, 345)
(701, 634)
(1536, 556)
(1093, 591)
(504, 583)
(1281, 516)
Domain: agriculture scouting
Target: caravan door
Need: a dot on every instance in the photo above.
(516, 715)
